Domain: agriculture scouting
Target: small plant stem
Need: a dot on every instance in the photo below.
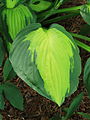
(80, 36)
(57, 19)
(58, 4)
(55, 11)
(82, 45)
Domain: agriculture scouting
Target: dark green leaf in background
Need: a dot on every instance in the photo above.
(85, 13)
(73, 106)
(13, 95)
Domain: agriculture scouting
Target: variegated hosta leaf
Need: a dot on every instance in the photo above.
(16, 19)
(47, 60)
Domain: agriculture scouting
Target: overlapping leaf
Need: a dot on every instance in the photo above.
(16, 19)
(46, 60)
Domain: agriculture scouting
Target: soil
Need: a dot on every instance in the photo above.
(40, 108)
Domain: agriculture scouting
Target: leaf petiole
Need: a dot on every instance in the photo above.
(55, 11)
(82, 45)
(57, 19)
(80, 36)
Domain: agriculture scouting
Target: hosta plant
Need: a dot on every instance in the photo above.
(42, 53)
(41, 67)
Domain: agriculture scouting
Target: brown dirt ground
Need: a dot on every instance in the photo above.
(40, 108)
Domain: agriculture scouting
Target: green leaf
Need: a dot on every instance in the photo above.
(40, 5)
(73, 106)
(1, 52)
(13, 95)
(85, 13)
(15, 19)
(87, 76)
(84, 115)
(8, 72)
(2, 103)
(41, 63)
